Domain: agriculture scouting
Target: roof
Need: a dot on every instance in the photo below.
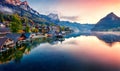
(1, 23)
(4, 30)
(2, 41)
(13, 36)
(27, 35)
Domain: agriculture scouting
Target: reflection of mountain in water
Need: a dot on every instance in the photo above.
(77, 34)
(104, 36)
(108, 38)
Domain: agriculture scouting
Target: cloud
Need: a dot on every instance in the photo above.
(72, 18)
(6, 10)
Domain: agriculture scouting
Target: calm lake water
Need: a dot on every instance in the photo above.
(78, 52)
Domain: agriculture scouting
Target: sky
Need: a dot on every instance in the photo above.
(82, 11)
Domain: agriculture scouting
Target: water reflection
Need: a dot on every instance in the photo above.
(17, 53)
(108, 37)
(81, 52)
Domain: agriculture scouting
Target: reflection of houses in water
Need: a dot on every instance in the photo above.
(17, 53)
(108, 38)
(14, 54)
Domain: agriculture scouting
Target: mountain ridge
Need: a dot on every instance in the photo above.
(24, 10)
(111, 22)
(27, 11)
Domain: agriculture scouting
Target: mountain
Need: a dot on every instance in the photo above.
(77, 27)
(24, 10)
(109, 23)
(54, 17)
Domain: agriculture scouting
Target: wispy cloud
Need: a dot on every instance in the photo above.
(71, 18)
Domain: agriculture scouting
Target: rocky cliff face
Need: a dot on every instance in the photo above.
(53, 17)
(24, 5)
(18, 3)
(14, 2)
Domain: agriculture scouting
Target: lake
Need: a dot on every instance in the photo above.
(78, 52)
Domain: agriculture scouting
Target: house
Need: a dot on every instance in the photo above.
(47, 29)
(6, 23)
(6, 43)
(24, 36)
(56, 29)
(4, 30)
(2, 25)
(18, 38)
(14, 36)
(40, 29)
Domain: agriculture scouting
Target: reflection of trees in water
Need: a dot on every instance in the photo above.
(17, 53)
(18, 56)
(6, 56)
